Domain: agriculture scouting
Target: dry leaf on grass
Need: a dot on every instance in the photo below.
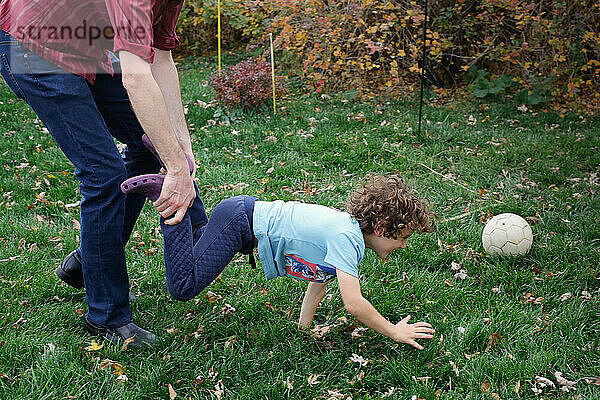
(335, 395)
(117, 369)
(313, 379)
(288, 384)
(227, 310)
(212, 297)
(94, 346)
(494, 339)
(454, 368)
(172, 392)
(485, 386)
(355, 358)
(390, 392)
(219, 390)
(565, 384)
(122, 379)
(358, 378)
(529, 298)
(359, 332)
(127, 342)
(585, 295)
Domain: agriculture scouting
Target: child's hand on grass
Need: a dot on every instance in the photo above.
(408, 333)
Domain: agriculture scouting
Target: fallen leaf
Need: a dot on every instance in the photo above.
(199, 379)
(219, 390)
(17, 324)
(334, 395)
(94, 346)
(230, 341)
(172, 392)
(359, 332)
(212, 297)
(390, 392)
(121, 379)
(544, 382)
(566, 385)
(485, 386)
(455, 266)
(565, 296)
(127, 342)
(320, 330)
(358, 378)
(517, 387)
(495, 396)
(424, 379)
(454, 368)
(313, 379)
(288, 385)
(227, 309)
(358, 359)
(494, 339)
(461, 275)
(586, 295)
(212, 374)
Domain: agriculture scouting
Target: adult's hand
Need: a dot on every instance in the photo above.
(176, 196)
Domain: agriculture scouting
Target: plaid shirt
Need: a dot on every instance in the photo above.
(77, 35)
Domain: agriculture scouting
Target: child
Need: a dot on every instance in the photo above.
(305, 241)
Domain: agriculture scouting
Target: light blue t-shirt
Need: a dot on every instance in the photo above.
(306, 241)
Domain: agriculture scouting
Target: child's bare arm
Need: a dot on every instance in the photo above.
(364, 311)
(313, 296)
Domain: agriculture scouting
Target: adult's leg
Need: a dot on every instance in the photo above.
(112, 101)
(192, 266)
(64, 103)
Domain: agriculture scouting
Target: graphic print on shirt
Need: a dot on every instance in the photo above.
(298, 268)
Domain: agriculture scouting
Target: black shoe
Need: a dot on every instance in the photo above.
(70, 270)
(141, 337)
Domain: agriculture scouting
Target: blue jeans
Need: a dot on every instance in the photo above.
(84, 118)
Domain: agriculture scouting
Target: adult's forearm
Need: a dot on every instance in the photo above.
(148, 104)
(150, 108)
(166, 76)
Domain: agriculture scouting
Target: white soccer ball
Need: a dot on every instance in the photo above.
(507, 234)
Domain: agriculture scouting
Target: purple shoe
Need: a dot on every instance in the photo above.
(150, 146)
(149, 185)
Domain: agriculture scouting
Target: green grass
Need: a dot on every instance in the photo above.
(536, 165)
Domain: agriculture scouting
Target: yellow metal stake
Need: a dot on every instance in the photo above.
(273, 72)
(219, 33)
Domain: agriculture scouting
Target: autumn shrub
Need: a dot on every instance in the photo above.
(245, 85)
(375, 45)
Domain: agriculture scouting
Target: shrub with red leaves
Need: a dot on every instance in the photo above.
(245, 85)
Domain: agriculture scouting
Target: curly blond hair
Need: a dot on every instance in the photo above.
(389, 202)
